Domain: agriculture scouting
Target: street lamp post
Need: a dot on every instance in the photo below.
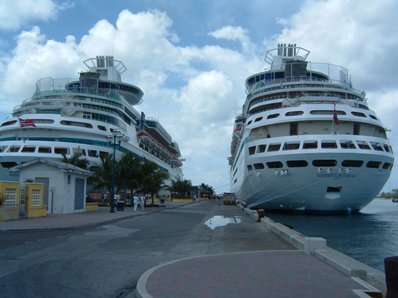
(112, 139)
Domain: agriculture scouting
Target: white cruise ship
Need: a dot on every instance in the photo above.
(65, 116)
(306, 139)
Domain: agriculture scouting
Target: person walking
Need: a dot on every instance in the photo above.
(135, 201)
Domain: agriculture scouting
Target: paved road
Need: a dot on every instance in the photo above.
(106, 261)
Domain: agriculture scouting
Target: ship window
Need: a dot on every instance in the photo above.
(28, 149)
(261, 148)
(9, 123)
(250, 122)
(386, 166)
(3, 148)
(357, 129)
(103, 154)
(352, 163)
(235, 180)
(249, 167)
(75, 123)
(61, 150)
(294, 113)
(44, 121)
(310, 145)
(13, 149)
(297, 163)
(100, 127)
(376, 146)
(373, 164)
(258, 119)
(272, 116)
(358, 114)
(92, 153)
(274, 147)
(293, 128)
(347, 145)
(386, 148)
(363, 145)
(8, 164)
(323, 112)
(329, 144)
(373, 117)
(44, 150)
(274, 164)
(252, 150)
(291, 146)
(324, 163)
(258, 166)
(333, 189)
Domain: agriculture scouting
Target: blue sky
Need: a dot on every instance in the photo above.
(191, 57)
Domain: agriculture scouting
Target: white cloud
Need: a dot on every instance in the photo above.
(234, 33)
(15, 13)
(356, 34)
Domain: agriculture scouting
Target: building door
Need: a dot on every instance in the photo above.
(79, 194)
(45, 181)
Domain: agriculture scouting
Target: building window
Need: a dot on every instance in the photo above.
(36, 197)
(10, 197)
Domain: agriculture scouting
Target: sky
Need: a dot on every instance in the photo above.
(191, 58)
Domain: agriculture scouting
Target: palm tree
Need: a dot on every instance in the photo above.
(102, 177)
(181, 187)
(151, 178)
(76, 160)
(128, 172)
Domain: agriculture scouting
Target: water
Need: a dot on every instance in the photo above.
(368, 237)
(220, 221)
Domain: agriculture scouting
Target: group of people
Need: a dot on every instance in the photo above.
(138, 201)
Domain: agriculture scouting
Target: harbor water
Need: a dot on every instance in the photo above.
(368, 237)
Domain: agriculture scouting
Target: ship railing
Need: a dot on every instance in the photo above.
(283, 84)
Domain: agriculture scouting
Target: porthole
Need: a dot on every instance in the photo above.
(324, 163)
(272, 116)
(358, 114)
(386, 166)
(352, 163)
(297, 163)
(373, 164)
(274, 164)
(258, 166)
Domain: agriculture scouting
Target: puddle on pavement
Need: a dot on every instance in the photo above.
(220, 221)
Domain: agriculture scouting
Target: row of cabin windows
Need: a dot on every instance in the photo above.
(315, 112)
(56, 150)
(319, 163)
(326, 144)
(63, 122)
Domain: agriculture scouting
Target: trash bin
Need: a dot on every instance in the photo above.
(391, 271)
(120, 206)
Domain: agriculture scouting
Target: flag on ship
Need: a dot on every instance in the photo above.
(335, 119)
(26, 123)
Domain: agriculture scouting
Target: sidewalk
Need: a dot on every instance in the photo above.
(77, 220)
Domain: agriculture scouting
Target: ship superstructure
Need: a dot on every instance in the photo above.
(66, 116)
(306, 139)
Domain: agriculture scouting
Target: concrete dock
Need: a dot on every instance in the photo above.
(245, 259)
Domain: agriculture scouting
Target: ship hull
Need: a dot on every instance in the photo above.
(312, 189)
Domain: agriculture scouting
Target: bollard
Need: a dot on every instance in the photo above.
(391, 270)
(261, 214)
